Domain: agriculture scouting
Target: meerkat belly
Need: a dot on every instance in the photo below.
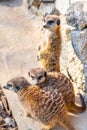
(49, 63)
(50, 54)
(49, 59)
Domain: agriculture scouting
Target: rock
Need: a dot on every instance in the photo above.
(55, 11)
(62, 5)
(5, 104)
(9, 121)
(46, 8)
(85, 74)
(1, 120)
(1, 106)
(79, 43)
(35, 3)
(11, 3)
(76, 15)
(48, 0)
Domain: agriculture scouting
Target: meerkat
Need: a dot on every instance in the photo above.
(50, 48)
(53, 80)
(45, 106)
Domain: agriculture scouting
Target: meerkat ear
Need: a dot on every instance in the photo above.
(58, 22)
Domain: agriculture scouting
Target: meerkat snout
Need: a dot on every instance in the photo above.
(15, 84)
(10, 86)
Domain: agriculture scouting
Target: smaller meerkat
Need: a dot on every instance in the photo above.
(47, 107)
(53, 80)
(50, 48)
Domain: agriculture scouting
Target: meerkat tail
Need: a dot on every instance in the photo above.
(83, 108)
(78, 109)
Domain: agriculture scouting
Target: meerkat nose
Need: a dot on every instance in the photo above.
(6, 87)
(44, 26)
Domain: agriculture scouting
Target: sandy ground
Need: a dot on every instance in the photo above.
(19, 37)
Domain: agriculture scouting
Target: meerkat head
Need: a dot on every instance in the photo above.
(51, 22)
(16, 84)
(37, 76)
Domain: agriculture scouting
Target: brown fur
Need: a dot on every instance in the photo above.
(58, 81)
(47, 107)
(49, 50)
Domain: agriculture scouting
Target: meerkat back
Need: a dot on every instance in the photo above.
(53, 80)
(49, 49)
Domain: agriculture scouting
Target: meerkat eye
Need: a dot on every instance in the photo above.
(17, 87)
(58, 22)
(8, 84)
(40, 77)
(50, 22)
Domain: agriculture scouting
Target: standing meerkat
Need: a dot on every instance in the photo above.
(53, 80)
(50, 48)
(47, 107)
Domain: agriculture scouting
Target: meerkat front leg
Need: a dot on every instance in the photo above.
(42, 55)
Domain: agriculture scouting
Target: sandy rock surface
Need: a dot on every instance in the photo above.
(76, 15)
(79, 42)
(20, 33)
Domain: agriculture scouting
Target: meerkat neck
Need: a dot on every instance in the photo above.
(55, 34)
(54, 39)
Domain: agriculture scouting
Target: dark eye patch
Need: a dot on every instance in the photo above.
(40, 77)
(10, 85)
(50, 22)
(16, 89)
(58, 22)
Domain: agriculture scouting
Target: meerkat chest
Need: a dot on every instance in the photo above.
(48, 35)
